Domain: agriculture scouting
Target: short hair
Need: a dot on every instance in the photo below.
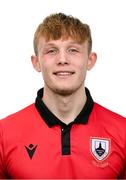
(59, 25)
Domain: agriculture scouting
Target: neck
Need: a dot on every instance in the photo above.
(66, 108)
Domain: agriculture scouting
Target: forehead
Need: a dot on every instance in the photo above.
(60, 42)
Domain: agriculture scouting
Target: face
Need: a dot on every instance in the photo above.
(63, 64)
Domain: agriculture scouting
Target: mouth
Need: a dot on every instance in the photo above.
(64, 73)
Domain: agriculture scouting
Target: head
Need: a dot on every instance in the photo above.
(61, 26)
(63, 52)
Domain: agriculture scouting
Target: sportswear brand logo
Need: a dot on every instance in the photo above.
(31, 150)
(100, 148)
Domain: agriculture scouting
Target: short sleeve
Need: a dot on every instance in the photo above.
(123, 175)
(2, 171)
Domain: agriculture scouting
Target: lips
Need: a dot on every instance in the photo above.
(63, 73)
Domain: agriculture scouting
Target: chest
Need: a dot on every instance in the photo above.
(76, 152)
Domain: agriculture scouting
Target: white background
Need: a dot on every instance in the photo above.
(18, 21)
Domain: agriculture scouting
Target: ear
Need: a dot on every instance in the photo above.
(36, 63)
(91, 61)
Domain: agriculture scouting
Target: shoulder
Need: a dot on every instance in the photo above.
(108, 116)
(101, 110)
(109, 123)
(18, 117)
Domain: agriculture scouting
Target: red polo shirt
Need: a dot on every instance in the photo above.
(35, 144)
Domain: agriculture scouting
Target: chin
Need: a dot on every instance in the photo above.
(65, 91)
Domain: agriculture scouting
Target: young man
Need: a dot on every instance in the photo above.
(64, 134)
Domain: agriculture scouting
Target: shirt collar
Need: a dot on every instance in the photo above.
(51, 120)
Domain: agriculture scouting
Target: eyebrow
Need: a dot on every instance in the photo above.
(70, 43)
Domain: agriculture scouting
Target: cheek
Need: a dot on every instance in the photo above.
(82, 70)
(81, 62)
(82, 67)
(47, 62)
(46, 70)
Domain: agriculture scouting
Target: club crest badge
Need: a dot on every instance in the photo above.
(100, 148)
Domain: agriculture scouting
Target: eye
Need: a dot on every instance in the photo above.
(51, 51)
(72, 50)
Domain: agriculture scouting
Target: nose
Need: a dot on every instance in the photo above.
(62, 58)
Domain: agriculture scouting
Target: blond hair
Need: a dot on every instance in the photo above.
(63, 26)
